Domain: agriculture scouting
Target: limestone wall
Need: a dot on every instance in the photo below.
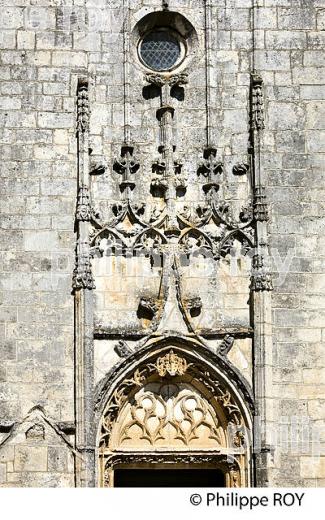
(45, 47)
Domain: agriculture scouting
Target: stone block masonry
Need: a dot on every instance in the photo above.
(46, 48)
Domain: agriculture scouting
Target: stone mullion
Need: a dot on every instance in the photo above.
(126, 72)
(209, 67)
(84, 308)
(261, 297)
(166, 113)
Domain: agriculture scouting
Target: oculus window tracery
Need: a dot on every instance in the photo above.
(160, 50)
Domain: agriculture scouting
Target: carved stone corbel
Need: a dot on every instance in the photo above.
(97, 165)
(193, 305)
(240, 169)
(122, 349)
(159, 80)
(149, 306)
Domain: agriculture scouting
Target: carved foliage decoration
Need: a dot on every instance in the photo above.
(82, 277)
(83, 109)
(160, 80)
(261, 278)
(257, 102)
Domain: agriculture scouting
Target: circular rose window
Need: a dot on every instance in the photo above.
(161, 49)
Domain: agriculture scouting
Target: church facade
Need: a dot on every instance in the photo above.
(162, 243)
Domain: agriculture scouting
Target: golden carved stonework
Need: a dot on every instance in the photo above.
(169, 415)
(168, 364)
(171, 364)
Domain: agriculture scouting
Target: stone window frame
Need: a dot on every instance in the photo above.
(173, 33)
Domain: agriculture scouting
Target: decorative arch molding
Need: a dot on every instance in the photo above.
(203, 405)
(193, 349)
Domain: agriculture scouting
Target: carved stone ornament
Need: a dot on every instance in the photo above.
(193, 304)
(159, 167)
(228, 464)
(226, 344)
(170, 414)
(159, 80)
(214, 459)
(246, 214)
(98, 165)
(127, 166)
(149, 304)
(83, 109)
(240, 169)
(211, 169)
(148, 371)
(36, 432)
(235, 478)
(262, 282)
(82, 277)
(239, 439)
(260, 205)
(171, 364)
(83, 211)
(178, 79)
(122, 349)
(261, 279)
(257, 102)
(107, 474)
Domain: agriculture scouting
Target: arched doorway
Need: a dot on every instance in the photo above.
(174, 422)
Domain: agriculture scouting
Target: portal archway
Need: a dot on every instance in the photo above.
(174, 412)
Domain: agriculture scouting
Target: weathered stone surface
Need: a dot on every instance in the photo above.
(46, 50)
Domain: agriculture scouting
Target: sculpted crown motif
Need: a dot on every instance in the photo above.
(171, 364)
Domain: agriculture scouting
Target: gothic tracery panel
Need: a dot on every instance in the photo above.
(170, 415)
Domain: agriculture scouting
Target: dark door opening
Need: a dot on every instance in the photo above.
(169, 478)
